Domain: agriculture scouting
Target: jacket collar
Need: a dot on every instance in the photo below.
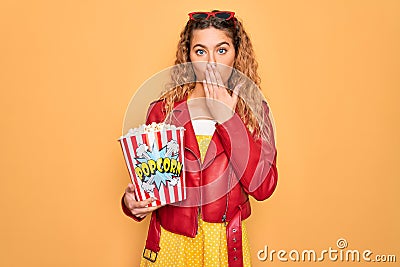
(181, 117)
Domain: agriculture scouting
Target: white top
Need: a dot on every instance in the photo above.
(203, 127)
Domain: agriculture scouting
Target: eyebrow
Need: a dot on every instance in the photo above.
(219, 44)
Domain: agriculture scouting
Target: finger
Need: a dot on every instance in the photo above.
(130, 189)
(212, 75)
(206, 91)
(143, 215)
(209, 84)
(218, 76)
(139, 213)
(150, 209)
(215, 85)
(144, 203)
(220, 90)
(236, 90)
(144, 211)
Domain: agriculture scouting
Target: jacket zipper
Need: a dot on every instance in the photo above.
(223, 219)
(198, 211)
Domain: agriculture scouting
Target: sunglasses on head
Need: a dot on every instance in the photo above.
(226, 15)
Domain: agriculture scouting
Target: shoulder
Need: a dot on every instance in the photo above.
(160, 100)
(156, 111)
(156, 105)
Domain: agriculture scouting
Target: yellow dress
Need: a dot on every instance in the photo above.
(207, 249)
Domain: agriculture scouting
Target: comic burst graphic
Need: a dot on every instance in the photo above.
(156, 167)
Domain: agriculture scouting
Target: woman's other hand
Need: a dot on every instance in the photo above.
(220, 103)
(138, 208)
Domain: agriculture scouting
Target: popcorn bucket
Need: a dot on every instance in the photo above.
(155, 161)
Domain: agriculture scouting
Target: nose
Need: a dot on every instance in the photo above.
(211, 58)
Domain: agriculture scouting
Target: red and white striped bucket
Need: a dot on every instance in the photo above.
(155, 162)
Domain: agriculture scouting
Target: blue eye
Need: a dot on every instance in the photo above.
(200, 52)
(222, 51)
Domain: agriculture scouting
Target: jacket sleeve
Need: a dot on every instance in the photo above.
(253, 160)
(155, 113)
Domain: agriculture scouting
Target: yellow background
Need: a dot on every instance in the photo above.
(330, 71)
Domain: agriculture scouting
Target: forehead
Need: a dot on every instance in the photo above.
(209, 36)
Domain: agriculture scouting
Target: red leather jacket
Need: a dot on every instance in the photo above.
(236, 165)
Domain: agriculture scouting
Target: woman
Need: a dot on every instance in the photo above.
(229, 148)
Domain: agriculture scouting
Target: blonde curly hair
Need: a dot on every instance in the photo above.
(250, 104)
